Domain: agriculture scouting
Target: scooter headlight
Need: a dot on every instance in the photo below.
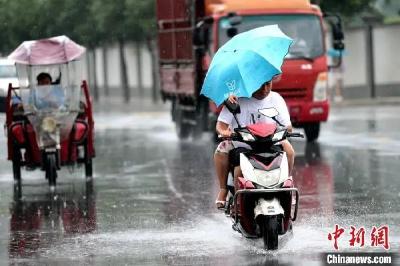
(267, 178)
(246, 136)
(49, 124)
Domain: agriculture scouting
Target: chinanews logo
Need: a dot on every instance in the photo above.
(358, 237)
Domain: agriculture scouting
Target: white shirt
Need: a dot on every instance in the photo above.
(249, 111)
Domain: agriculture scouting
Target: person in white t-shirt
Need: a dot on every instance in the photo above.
(262, 98)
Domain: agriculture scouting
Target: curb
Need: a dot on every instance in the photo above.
(384, 101)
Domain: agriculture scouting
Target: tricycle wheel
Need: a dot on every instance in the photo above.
(16, 162)
(88, 168)
(17, 170)
(88, 163)
(51, 169)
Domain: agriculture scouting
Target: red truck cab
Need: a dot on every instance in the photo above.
(210, 23)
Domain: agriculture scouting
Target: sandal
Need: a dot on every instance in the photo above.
(220, 204)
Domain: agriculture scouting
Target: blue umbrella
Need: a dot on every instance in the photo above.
(246, 62)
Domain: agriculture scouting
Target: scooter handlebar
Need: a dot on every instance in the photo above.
(234, 136)
(295, 135)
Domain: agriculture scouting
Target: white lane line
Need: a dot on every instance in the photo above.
(170, 182)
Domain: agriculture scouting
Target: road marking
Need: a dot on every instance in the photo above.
(170, 182)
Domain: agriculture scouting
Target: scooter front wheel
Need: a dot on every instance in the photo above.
(51, 169)
(269, 227)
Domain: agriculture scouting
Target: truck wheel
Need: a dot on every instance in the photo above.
(312, 131)
(183, 130)
(197, 130)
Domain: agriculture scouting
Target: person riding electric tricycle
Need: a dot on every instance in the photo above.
(49, 124)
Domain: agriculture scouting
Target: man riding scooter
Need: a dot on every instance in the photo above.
(227, 153)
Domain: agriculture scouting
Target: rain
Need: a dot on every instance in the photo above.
(150, 199)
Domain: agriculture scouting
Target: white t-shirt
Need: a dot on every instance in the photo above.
(249, 111)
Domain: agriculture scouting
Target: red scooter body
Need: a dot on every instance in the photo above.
(261, 200)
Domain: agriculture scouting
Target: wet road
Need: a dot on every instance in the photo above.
(151, 201)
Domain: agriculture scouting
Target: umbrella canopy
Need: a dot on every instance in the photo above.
(246, 62)
(55, 50)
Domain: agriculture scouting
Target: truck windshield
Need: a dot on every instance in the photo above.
(305, 30)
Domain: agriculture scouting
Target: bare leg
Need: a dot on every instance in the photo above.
(288, 148)
(221, 161)
(236, 174)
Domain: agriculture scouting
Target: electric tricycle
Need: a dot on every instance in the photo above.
(49, 120)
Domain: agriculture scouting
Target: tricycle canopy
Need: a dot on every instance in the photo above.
(56, 56)
(55, 50)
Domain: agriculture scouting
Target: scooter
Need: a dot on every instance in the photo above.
(261, 201)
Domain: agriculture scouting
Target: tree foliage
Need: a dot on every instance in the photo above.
(89, 22)
(348, 8)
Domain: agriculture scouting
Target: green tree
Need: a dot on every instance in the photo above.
(125, 21)
(111, 18)
(346, 8)
(92, 23)
(141, 29)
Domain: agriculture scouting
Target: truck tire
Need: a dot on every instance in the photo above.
(312, 131)
(200, 116)
(182, 130)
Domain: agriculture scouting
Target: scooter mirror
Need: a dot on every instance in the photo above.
(234, 108)
(270, 112)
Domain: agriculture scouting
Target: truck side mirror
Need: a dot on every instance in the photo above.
(234, 19)
(200, 37)
(337, 35)
(201, 32)
(231, 32)
(234, 108)
(337, 32)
